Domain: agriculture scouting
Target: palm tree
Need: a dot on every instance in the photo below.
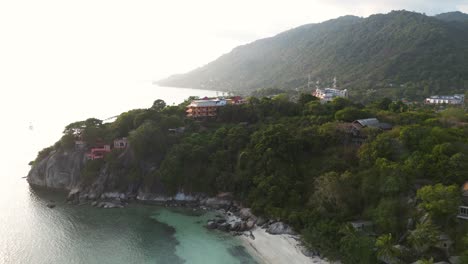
(386, 251)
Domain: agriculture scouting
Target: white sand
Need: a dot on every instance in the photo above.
(273, 249)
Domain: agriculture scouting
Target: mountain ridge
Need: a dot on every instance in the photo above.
(398, 49)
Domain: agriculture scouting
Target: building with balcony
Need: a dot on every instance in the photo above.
(98, 152)
(205, 108)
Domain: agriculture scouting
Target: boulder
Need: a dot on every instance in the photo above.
(211, 224)
(261, 221)
(250, 223)
(224, 227)
(279, 228)
(220, 221)
(246, 213)
(108, 205)
(216, 203)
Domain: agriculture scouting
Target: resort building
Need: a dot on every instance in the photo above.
(208, 107)
(328, 94)
(457, 99)
(121, 143)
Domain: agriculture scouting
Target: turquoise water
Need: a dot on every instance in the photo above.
(30, 232)
(135, 234)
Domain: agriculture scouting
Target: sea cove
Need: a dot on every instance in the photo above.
(135, 234)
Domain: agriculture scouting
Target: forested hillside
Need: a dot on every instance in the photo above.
(303, 162)
(400, 55)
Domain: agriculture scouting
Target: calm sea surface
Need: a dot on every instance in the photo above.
(30, 232)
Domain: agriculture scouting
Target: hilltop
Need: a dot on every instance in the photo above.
(399, 54)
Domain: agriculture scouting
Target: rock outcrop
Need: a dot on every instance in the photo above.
(59, 170)
(280, 228)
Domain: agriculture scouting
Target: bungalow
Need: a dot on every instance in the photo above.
(121, 143)
(98, 152)
(362, 225)
(371, 122)
(444, 243)
(356, 128)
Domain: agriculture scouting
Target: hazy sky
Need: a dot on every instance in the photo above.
(58, 40)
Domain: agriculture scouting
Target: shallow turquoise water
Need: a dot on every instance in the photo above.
(136, 234)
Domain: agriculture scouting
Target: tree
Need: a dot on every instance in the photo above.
(464, 256)
(148, 141)
(424, 236)
(349, 114)
(388, 215)
(158, 105)
(425, 261)
(67, 141)
(334, 193)
(305, 98)
(383, 104)
(356, 248)
(386, 249)
(440, 201)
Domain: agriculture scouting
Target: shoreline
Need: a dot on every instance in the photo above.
(277, 249)
(262, 246)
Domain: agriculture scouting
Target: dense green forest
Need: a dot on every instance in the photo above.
(397, 55)
(298, 162)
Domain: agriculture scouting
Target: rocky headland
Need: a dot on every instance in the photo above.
(63, 170)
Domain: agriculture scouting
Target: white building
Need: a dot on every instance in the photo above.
(328, 94)
(457, 99)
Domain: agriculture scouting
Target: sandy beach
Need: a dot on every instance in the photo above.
(277, 249)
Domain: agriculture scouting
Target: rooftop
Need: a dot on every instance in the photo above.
(207, 103)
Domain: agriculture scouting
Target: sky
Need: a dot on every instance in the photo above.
(61, 59)
(50, 42)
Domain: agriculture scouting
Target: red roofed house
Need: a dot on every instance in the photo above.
(98, 152)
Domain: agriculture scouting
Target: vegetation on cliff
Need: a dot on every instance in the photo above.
(297, 161)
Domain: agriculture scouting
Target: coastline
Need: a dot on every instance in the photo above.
(262, 246)
(277, 249)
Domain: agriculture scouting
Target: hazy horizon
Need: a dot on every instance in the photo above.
(51, 41)
(59, 51)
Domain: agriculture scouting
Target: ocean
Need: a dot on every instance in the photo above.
(30, 232)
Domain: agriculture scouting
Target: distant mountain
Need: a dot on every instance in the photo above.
(453, 16)
(400, 54)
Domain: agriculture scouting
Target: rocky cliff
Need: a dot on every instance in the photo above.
(59, 170)
(63, 170)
